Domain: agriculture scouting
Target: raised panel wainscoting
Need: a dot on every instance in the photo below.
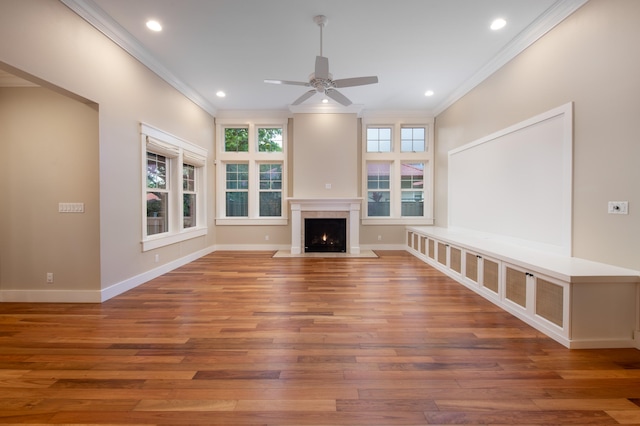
(579, 303)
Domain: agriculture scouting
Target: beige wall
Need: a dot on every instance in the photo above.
(590, 59)
(42, 136)
(52, 43)
(325, 152)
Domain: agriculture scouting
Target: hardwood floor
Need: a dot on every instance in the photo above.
(239, 338)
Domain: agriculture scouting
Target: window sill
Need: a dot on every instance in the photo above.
(158, 241)
(408, 221)
(245, 221)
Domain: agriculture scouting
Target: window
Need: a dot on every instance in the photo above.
(412, 139)
(379, 139)
(189, 200)
(251, 172)
(271, 189)
(398, 173)
(412, 185)
(237, 195)
(379, 190)
(173, 189)
(157, 194)
(236, 139)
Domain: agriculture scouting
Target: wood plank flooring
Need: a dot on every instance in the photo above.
(241, 338)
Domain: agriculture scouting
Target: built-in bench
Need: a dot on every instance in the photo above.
(577, 302)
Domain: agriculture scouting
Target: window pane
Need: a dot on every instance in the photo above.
(156, 171)
(189, 210)
(412, 176)
(270, 204)
(236, 140)
(270, 176)
(412, 203)
(378, 175)
(270, 139)
(157, 218)
(412, 139)
(188, 177)
(237, 176)
(378, 139)
(378, 203)
(237, 204)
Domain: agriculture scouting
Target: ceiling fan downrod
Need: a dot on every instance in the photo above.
(321, 20)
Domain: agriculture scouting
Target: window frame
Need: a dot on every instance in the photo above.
(397, 158)
(254, 158)
(177, 152)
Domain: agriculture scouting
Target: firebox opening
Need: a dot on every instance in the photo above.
(325, 235)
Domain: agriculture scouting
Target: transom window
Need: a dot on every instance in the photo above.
(412, 139)
(379, 139)
(251, 172)
(398, 166)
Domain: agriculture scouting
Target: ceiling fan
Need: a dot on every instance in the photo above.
(322, 81)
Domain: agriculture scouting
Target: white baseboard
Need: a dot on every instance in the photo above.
(50, 296)
(97, 296)
(134, 282)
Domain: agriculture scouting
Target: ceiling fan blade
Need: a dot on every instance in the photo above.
(338, 97)
(304, 97)
(356, 81)
(322, 67)
(295, 83)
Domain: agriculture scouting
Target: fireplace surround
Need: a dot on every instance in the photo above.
(347, 208)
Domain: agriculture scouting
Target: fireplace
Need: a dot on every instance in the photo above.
(322, 235)
(346, 209)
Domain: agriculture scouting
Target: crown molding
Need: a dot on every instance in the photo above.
(557, 13)
(98, 18)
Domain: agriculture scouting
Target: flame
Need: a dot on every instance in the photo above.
(324, 237)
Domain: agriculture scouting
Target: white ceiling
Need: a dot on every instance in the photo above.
(411, 45)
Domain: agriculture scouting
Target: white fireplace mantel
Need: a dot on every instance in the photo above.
(349, 205)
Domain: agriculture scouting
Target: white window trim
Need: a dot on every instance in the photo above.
(254, 158)
(178, 152)
(397, 158)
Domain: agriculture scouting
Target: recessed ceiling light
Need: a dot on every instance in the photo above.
(154, 25)
(220, 94)
(428, 93)
(498, 24)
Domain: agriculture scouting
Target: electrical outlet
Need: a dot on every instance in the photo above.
(618, 207)
(49, 277)
(379, 237)
(157, 258)
(266, 238)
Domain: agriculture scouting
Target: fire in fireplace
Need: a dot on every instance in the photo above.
(325, 235)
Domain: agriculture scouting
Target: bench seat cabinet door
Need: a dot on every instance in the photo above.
(424, 248)
(455, 259)
(472, 263)
(441, 252)
(551, 301)
(431, 248)
(490, 275)
(518, 287)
